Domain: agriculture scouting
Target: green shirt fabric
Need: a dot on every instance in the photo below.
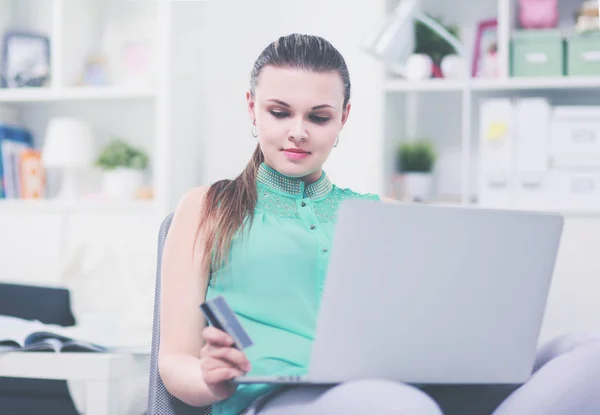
(275, 275)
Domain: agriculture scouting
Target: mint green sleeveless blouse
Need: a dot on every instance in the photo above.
(275, 274)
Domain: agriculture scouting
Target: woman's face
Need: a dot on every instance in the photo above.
(298, 116)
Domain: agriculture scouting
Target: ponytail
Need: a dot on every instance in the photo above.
(227, 204)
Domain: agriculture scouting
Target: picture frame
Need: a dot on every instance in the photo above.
(25, 60)
(485, 62)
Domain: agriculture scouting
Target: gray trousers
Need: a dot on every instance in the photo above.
(566, 381)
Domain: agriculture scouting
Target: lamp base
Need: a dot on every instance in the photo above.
(70, 188)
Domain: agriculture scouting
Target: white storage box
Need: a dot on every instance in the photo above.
(533, 118)
(532, 191)
(575, 130)
(574, 190)
(533, 122)
(496, 136)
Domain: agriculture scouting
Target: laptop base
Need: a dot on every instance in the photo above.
(280, 380)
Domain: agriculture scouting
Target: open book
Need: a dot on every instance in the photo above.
(48, 342)
(30, 335)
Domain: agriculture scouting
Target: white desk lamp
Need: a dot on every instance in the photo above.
(68, 146)
(393, 42)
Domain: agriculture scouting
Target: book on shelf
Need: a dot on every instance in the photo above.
(22, 175)
(34, 336)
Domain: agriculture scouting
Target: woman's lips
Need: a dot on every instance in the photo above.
(295, 154)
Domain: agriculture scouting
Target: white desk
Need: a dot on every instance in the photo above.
(98, 382)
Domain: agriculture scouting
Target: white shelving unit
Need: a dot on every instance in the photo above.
(446, 110)
(139, 113)
(157, 116)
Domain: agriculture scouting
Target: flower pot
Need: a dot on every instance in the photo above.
(417, 186)
(122, 183)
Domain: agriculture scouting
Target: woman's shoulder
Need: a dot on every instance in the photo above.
(189, 207)
(192, 199)
(348, 193)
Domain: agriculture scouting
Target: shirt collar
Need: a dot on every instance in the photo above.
(293, 187)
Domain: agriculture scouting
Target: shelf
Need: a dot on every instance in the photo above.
(25, 206)
(538, 83)
(442, 85)
(402, 85)
(84, 93)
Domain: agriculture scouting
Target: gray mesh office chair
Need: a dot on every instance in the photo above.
(160, 401)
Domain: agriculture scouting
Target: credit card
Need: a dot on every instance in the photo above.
(219, 315)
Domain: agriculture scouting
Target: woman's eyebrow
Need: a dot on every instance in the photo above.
(285, 104)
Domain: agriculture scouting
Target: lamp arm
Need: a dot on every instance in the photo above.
(443, 32)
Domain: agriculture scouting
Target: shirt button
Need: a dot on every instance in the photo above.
(303, 204)
(325, 249)
(312, 227)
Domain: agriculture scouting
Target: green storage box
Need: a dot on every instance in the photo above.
(583, 55)
(536, 53)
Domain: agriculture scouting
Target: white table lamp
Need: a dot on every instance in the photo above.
(69, 146)
(393, 42)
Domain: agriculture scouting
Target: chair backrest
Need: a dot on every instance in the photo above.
(160, 401)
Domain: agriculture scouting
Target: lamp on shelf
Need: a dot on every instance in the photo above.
(69, 147)
(393, 42)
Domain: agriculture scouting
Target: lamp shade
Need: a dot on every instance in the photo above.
(393, 41)
(69, 143)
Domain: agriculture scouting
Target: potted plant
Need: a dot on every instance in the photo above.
(415, 162)
(440, 54)
(123, 169)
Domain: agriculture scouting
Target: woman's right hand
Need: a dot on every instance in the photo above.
(221, 362)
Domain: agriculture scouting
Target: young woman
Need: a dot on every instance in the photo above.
(262, 240)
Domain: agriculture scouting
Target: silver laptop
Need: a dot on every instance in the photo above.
(426, 294)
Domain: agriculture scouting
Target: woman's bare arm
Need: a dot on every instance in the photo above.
(183, 289)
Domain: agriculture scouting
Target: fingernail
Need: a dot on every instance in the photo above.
(247, 367)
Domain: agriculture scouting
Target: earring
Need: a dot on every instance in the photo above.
(337, 141)
(254, 131)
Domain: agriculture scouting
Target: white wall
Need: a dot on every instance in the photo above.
(187, 96)
(573, 303)
(233, 38)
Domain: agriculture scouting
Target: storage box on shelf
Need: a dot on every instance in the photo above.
(537, 53)
(575, 131)
(532, 125)
(583, 54)
(575, 157)
(541, 157)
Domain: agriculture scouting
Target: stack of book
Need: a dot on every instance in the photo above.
(22, 175)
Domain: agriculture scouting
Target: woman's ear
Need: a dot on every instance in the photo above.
(346, 113)
(251, 106)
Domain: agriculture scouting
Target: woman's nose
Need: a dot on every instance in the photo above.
(298, 131)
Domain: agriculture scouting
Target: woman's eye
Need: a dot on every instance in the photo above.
(319, 119)
(279, 114)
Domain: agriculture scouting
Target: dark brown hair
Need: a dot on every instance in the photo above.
(228, 203)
